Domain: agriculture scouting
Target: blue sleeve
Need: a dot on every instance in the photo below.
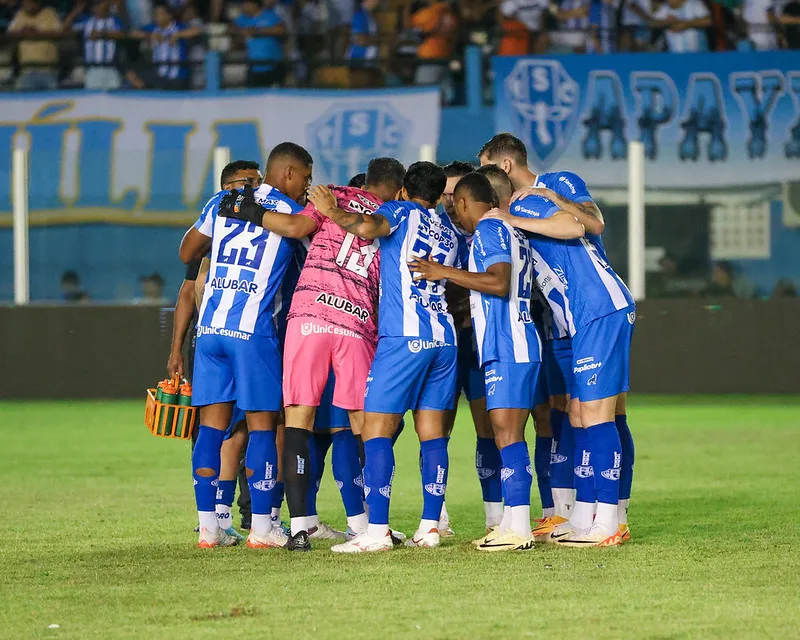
(148, 28)
(118, 24)
(492, 243)
(80, 23)
(572, 187)
(395, 212)
(533, 207)
(360, 23)
(240, 20)
(270, 19)
(205, 224)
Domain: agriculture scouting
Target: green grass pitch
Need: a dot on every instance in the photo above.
(96, 537)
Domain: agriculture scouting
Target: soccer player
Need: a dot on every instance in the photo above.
(237, 355)
(415, 362)
(332, 322)
(599, 312)
(500, 280)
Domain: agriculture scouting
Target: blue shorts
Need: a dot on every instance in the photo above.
(230, 369)
(329, 416)
(557, 361)
(601, 356)
(237, 417)
(511, 385)
(410, 373)
(470, 372)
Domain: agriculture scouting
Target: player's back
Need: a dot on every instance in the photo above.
(573, 275)
(408, 308)
(504, 327)
(247, 268)
(340, 280)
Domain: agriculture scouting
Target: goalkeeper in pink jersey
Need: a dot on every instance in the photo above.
(332, 323)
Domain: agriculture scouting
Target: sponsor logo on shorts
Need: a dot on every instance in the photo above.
(227, 333)
(234, 284)
(586, 364)
(343, 304)
(307, 328)
(264, 485)
(631, 317)
(584, 472)
(415, 346)
(386, 491)
(506, 473)
(592, 381)
(435, 488)
(610, 474)
(491, 390)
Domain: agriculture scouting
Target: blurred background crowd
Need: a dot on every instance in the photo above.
(142, 44)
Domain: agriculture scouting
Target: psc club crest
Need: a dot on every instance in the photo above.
(346, 138)
(544, 101)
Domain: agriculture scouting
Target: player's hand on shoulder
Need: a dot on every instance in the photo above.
(322, 198)
(533, 191)
(242, 206)
(497, 214)
(424, 269)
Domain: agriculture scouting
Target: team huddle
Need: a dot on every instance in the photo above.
(330, 312)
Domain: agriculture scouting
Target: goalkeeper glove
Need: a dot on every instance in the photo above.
(242, 206)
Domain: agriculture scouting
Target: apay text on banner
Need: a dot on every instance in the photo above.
(707, 120)
(148, 157)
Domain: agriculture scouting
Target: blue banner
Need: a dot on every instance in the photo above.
(706, 120)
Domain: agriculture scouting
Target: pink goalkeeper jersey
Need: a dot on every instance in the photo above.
(339, 282)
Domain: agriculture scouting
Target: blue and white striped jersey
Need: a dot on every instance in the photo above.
(408, 308)
(97, 50)
(596, 290)
(166, 51)
(504, 328)
(248, 264)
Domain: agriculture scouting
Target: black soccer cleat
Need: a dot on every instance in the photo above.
(246, 520)
(299, 542)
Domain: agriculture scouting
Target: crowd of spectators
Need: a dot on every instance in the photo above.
(137, 44)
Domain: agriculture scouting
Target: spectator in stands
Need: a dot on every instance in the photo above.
(572, 17)
(340, 17)
(364, 33)
(8, 9)
(152, 291)
(139, 13)
(726, 283)
(685, 22)
(100, 31)
(262, 30)
(785, 288)
(760, 19)
(197, 48)
(436, 22)
(522, 28)
(71, 289)
(635, 34)
(168, 41)
(603, 26)
(36, 28)
(789, 19)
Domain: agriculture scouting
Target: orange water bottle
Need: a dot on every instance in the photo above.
(169, 396)
(184, 400)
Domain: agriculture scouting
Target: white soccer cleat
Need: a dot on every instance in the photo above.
(563, 530)
(274, 538)
(445, 530)
(423, 540)
(325, 532)
(229, 537)
(208, 538)
(363, 543)
(594, 536)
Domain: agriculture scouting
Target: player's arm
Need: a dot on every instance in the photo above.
(194, 245)
(181, 319)
(495, 281)
(560, 226)
(243, 206)
(364, 226)
(586, 212)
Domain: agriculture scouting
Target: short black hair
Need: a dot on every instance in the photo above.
(388, 172)
(425, 181)
(458, 169)
(478, 187)
(498, 179)
(508, 145)
(70, 277)
(292, 151)
(358, 180)
(232, 168)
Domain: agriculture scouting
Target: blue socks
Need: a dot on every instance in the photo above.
(347, 472)
(561, 462)
(628, 455)
(604, 444)
(516, 474)
(435, 464)
(378, 474)
(584, 482)
(262, 460)
(557, 419)
(488, 464)
(541, 464)
(226, 490)
(206, 456)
